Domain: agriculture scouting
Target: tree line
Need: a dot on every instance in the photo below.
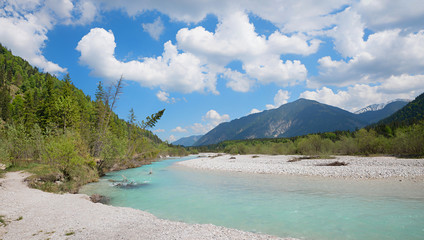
(403, 140)
(70, 138)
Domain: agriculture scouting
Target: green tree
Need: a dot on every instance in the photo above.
(67, 112)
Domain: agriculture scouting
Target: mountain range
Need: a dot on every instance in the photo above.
(297, 118)
(187, 141)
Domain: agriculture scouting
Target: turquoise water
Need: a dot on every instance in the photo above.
(286, 206)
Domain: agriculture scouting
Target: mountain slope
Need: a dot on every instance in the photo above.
(371, 114)
(187, 141)
(293, 119)
(412, 112)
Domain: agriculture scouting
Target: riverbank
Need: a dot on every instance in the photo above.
(33, 214)
(338, 166)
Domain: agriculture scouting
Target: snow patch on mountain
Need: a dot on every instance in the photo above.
(376, 107)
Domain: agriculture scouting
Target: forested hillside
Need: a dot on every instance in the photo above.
(413, 112)
(50, 123)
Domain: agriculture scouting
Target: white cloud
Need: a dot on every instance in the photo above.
(174, 71)
(235, 39)
(86, 13)
(172, 138)
(154, 29)
(384, 54)
(361, 95)
(348, 34)
(164, 97)
(179, 129)
(289, 15)
(24, 30)
(61, 8)
(279, 99)
(210, 120)
(159, 130)
(237, 81)
(199, 128)
(215, 118)
(254, 110)
(26, 23)
(375, 13)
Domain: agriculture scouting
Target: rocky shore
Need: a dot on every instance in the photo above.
(338, 166)
(33, 214)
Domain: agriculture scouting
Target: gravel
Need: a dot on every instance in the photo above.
(356, 167)
(33, 214)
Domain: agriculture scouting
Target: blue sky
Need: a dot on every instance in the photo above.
(212, 61)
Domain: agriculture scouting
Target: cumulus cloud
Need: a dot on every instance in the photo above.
(289, 15)
(25, 25)
(215, 118)
(179, 129)
(164, 97)
(279, 99)
(154, 29)
(237, 81)
(210, 120)
(85, 12)
(361, 95)
(172, 138)
(383, 54)
(24, 30)
(254, 110)
(182, 72)
(159, 130)
(375, 13)
(235, 39)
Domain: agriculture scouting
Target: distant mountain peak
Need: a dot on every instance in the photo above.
(379, 106)
(296, 118)
(187, 141)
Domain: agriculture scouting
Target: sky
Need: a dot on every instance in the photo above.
(212, 61)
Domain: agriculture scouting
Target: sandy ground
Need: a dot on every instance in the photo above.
(357, 167)
(33, 214)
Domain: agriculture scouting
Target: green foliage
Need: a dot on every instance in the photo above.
(66, 152)
(405, 141)
(2, 221)
(152, 120)
(53, 129)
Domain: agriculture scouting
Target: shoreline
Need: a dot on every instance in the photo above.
(355, 167)
(33, 214)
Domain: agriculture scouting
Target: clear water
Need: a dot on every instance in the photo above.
(286, 206)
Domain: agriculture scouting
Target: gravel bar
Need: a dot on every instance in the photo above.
(351, 166)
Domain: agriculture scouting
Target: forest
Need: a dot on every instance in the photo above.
(64, 137)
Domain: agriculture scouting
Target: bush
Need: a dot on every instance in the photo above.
(346, 146)
(65, 152)
(314, 145)
(409, 141)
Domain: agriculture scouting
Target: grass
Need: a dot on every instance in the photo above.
(19, 218)
(2, 221)
(69, 233)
